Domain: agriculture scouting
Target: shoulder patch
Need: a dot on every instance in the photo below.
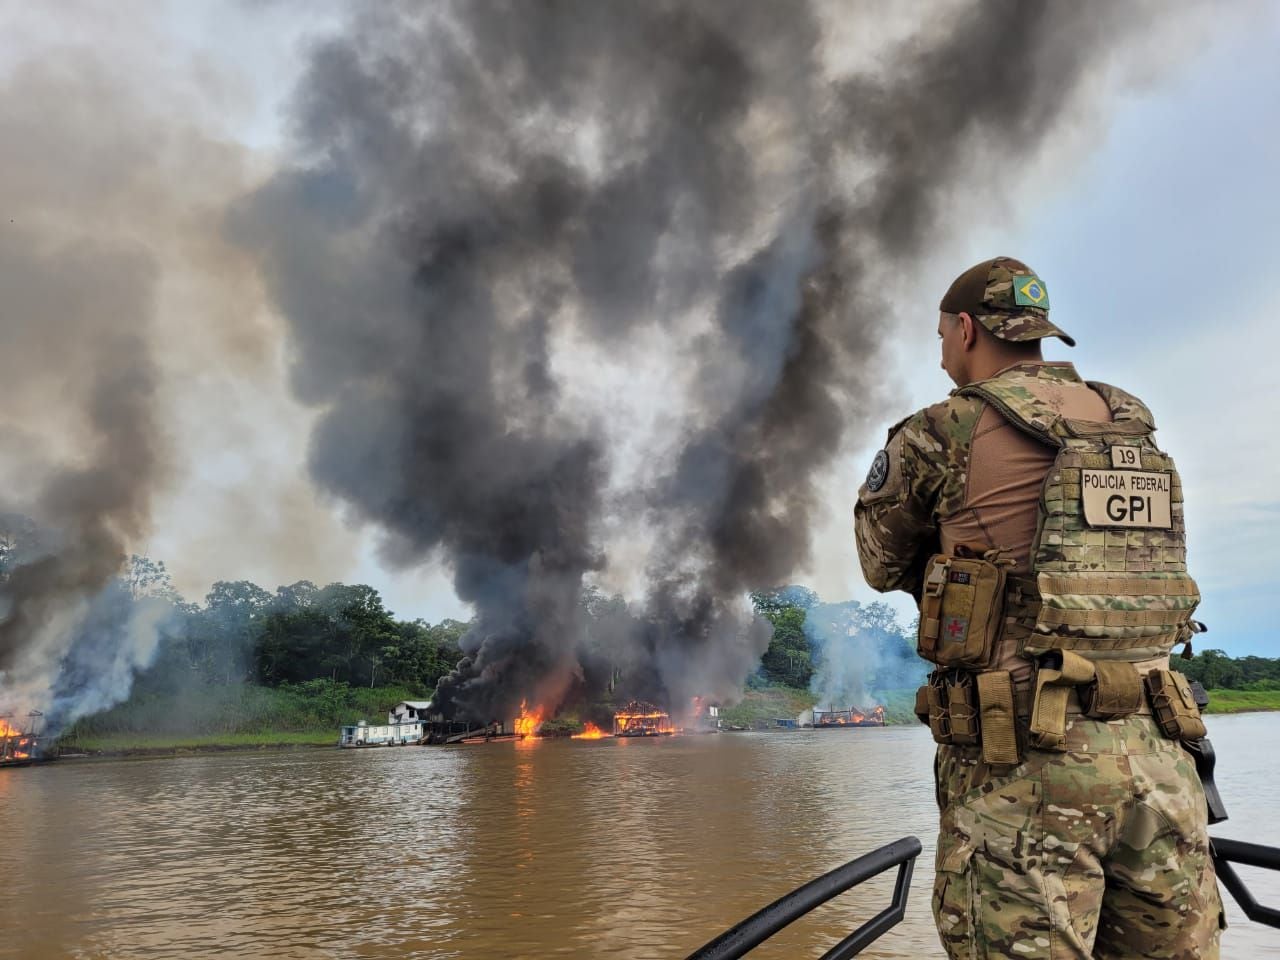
(879, 471)
(885, 479)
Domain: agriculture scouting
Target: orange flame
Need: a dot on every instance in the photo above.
(638, 717)
(19, 743)
(590, 732)
(527, 723)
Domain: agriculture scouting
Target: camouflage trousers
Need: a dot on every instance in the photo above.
(1099, 852)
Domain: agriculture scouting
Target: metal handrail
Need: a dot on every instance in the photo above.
(760, 926)
(1226, 852)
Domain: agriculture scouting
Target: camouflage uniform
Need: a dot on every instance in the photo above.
(1100, 850)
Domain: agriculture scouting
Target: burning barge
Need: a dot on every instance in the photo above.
(640, 719)
(843, 719)
(417, 723)
(20, 748)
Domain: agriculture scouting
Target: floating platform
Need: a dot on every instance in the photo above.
(636, 734)
(492, 738)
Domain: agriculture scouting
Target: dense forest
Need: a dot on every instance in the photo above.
(1218, 671)
(299, 633)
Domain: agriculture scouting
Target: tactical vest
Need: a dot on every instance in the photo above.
(1108, 563)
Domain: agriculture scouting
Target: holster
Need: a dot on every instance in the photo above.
(1053, 691)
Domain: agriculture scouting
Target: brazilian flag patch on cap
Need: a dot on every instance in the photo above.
(1030, 292)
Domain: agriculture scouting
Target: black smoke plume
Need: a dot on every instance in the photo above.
(488, 197)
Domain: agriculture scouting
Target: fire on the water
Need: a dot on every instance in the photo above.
(852, 717)
(636, 719)
(19, 747)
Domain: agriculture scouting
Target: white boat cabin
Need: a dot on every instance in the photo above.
(364, 734)
(408, 710)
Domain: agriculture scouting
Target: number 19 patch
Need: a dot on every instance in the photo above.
(1125, 456)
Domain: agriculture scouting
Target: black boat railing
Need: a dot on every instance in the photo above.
(1227, 852)
(762, 925)
(741, 939)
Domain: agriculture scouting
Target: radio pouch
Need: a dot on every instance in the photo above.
(961, 609)
(1174, 705)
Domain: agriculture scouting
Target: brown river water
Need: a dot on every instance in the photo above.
(612, 848)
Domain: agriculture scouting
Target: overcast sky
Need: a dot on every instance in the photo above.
(1155, 223)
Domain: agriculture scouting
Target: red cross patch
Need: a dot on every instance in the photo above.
(954, 629)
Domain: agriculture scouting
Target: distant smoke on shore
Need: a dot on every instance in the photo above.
(860, 652)
(131, 333)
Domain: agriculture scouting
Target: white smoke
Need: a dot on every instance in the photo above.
(860, 653)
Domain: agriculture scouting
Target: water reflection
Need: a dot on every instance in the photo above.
(629, 849)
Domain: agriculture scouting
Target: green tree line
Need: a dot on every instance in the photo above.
(1218, 671)
(242, 633)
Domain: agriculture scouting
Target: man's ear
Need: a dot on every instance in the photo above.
(969, 330)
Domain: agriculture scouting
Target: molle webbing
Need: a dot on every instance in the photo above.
(1120, 586)
(1103, 591)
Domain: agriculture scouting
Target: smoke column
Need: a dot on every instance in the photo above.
(91, 297)
(122, 310)
(489, 201)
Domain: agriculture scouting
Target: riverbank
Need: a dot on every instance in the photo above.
(237, 717)
(138, 745)
(257, 718)
(765, 704)
(1243, 701)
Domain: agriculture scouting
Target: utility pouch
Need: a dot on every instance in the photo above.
(922, 704)
(999, 736)
(1115, 691)
(961, 610)
(962, 707)
(939, 715)
(1174, 705)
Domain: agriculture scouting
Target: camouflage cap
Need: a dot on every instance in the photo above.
(1007, 298)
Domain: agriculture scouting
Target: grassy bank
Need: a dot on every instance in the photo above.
(232, 717)
(123, 744)
(766, 703)
(1242, 701)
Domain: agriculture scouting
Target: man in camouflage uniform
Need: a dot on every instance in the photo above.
(1096, 850)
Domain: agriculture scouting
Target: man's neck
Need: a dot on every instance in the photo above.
(985, 368)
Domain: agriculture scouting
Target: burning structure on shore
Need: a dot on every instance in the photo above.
(19, 746)
(640, 719)
(851, 717)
